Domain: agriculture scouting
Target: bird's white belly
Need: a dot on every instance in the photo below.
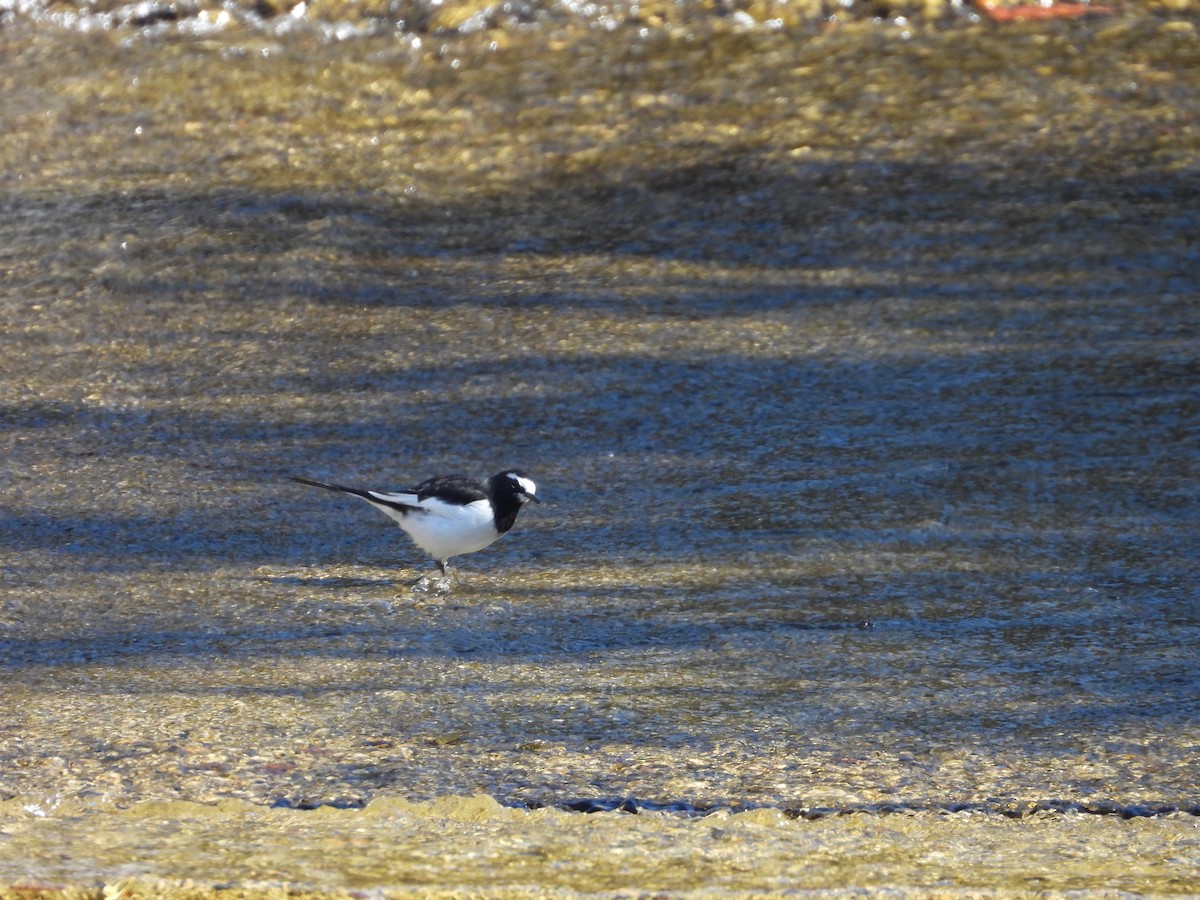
(443, 530)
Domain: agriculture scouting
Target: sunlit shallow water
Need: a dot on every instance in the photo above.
(866, 425)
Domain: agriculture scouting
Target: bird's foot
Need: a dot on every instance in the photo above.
(439, 584)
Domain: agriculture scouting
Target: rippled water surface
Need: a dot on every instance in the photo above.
(858, 373)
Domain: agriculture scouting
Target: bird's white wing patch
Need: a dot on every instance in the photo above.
(398, 497)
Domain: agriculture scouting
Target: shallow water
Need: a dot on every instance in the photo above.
(862, 395)
(473, 845)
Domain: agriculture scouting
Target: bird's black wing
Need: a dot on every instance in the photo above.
(452, 488)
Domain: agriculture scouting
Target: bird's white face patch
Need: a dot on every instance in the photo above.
(526, 484)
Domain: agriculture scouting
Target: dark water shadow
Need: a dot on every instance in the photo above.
(792, 680)
(331, 582)
(1010, 808)
(778, 219)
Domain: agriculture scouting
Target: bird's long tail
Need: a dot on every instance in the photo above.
(389, 503)
(357, 492)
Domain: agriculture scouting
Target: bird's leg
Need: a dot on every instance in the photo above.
(439, 585)
(449, 574)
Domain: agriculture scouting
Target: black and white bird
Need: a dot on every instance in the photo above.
(450, 515)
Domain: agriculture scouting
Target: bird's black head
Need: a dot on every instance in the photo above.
(515, 484)
(510, 491)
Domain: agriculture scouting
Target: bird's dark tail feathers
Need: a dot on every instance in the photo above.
(357, 492)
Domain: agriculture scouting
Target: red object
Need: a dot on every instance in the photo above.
(1038, 13)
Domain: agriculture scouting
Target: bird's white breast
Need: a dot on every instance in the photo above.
(444, 529)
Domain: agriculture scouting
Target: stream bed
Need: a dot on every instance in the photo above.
(857, 369)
